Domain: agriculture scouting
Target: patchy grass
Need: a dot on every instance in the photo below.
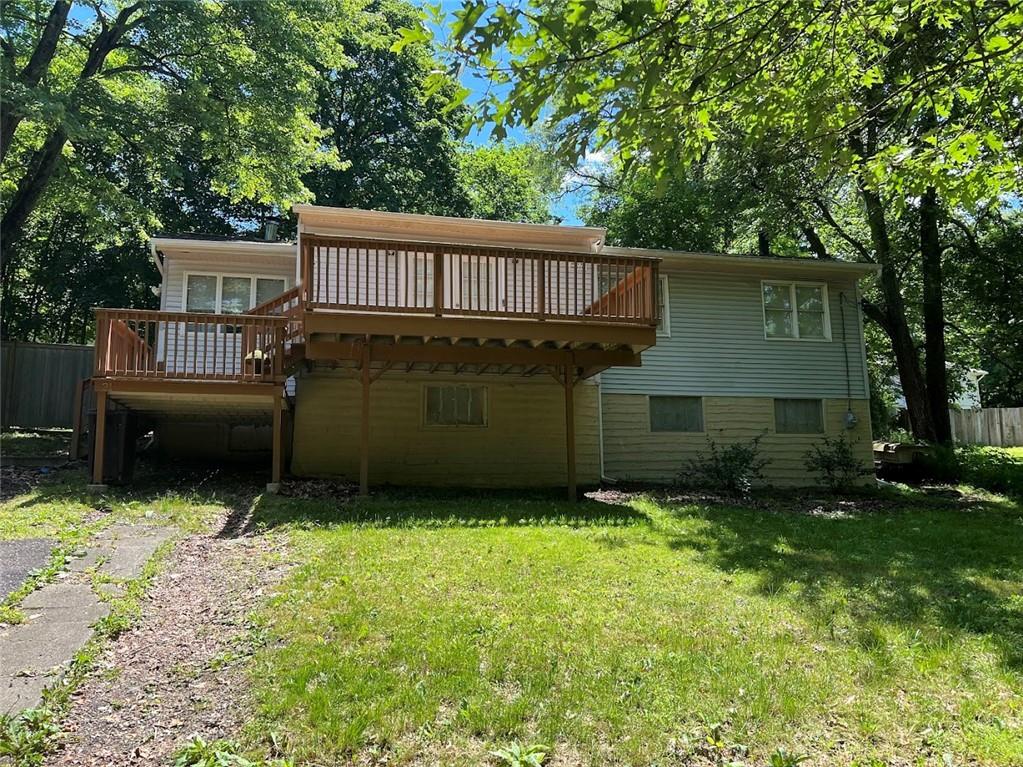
(61, 508)
(42, 443)
(435, 630)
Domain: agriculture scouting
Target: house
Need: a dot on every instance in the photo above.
(422, 350)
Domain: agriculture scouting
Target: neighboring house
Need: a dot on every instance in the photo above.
(968, 388)
(408, 349)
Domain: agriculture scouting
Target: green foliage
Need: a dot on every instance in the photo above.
(517, 755)
(26, 737)
(664, 81)
(785, 758)
(733, 468)
(991, 468)
(509, 182)
(219, 753)
(835, 462)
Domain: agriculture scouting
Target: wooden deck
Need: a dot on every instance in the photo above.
(378, 305)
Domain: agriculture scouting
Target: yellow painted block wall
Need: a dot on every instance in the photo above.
(523, 444)
(633, 452)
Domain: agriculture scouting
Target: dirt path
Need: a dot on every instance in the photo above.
(180, 670)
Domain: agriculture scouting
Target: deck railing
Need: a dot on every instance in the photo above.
(371, 275)
(288, 304)
(178, 345)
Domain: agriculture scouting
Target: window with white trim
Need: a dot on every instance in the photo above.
(663, 307)
(796, 310)
(455, 405)
(229, 293)
(799, 416)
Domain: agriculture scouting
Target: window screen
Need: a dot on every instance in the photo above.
(798, 416)
(201, 293)
(235, 294)
(456, 405)
(267, 289)
(793, 310)
(676, 414)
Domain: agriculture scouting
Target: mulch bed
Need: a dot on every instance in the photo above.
(181, 670)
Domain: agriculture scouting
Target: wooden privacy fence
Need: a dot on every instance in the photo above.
(40, 381)
(999, 427)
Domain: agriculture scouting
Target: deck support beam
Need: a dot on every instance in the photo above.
(364, 437)
(570, 430)
(99, 442)
(278, 446)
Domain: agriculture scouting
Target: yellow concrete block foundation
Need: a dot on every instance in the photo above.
(522, 445)
(633, 453)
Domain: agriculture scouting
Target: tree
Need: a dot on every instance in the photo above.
(132, 79)
(897, 106)
(508, 182)
(399, 145)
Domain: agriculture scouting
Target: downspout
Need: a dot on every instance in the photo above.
(600, 428)
(156, 258)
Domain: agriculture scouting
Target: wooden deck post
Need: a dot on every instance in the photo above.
(99, 442)
(570, 430)
(278, 446)
(364, 448)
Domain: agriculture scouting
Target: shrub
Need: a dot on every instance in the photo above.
(835, 461)
(731, 469)
(991, 468)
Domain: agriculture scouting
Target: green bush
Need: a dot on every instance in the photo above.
(731, 469)
(835, 462)
(991, 468)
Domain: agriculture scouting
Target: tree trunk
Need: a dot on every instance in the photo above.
(44, 162)
(763, 243)
(30, 189)
(907, 358)
(37, 66)
(934, 318)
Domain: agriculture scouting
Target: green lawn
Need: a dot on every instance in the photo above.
(42, 443)
(431, 631)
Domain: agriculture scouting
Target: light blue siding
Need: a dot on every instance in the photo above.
(717, 346)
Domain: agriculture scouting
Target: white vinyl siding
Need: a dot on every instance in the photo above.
(717, 345)
(799, 416)
(676, 414)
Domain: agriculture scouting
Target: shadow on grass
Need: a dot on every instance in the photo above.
(234, 486)
(441, 508)
(958, 570)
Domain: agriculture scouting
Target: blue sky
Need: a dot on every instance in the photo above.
(566, 207)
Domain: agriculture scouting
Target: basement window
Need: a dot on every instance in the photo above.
(799, 416)
(676, 414)
(455, 405)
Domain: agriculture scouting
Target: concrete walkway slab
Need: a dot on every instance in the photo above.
(60, 615)
(19, 559)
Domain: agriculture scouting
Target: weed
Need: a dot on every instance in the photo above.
(516, 755)
(220, 753)
(785, 758)
(25, 738)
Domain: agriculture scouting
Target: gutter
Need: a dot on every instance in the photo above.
(156, 257)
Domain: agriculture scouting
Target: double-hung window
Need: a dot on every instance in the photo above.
(796, 310)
